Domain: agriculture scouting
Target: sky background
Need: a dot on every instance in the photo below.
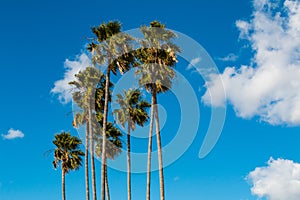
(255, 45)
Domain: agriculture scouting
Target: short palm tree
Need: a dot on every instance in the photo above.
(132, 111)
(86, 84)
(157, 57)
(111, 47)
(68, 154)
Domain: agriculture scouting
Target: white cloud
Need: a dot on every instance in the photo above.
(193, 63)
(279, 180)
(13, 134)
(62, 87)
(269, 86)
(244, 28)
(229, 58)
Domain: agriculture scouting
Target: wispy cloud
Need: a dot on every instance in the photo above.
(280, 179)
(13, 134)
(229, 58)
(62, 87)
(193, 63)
(269, 86)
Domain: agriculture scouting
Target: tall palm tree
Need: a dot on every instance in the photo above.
(84, 96)
(132, 111)
(80, 119)
(111, 47)
(68, 154)
(114, 145)
(113, 148)
(157, 58)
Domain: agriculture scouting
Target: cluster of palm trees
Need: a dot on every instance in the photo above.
(153, 63)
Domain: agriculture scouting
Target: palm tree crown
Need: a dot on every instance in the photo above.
(132, 108)
(156, 58)
(67, 152)
(112, 46)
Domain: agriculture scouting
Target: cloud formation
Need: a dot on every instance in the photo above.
(269, 87)
(62, 87)
(13, 134)
(229, 58)
(193, 63)
(277, 181)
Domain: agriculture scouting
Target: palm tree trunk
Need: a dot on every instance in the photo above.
(92, 153)
(104, 132)
(149, 152)
(128, 162)
(63, 189)
(159, 150)
(106, 185)
(87, 185)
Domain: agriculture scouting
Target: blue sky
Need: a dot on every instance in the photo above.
(255, 50)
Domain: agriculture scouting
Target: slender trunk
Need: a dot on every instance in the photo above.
(106, 185)
(159, 150)
(92, 153)
(104, 133)
(149, 152)
(63, 189)
(128, 162)
(87, 185)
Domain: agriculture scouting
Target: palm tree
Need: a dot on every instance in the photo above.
(111, 47)
(113, 148)
(132, 111)
(84, 96)
(79, 119)
(114, 145)
(157, 59)
(68, 154)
